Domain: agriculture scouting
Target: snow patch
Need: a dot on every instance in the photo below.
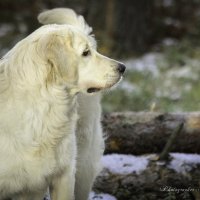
(147, 63)
(94, 196)
(184, 72)
(169, 42)
(181, 162)
(125, 164)
(171, 92)
(129, 87)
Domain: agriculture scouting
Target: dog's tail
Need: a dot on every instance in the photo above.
(64, 16)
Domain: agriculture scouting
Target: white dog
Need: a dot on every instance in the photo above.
(39, 82)
(90, 143)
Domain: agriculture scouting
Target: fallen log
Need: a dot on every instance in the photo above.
(133, 178)
(148, 132)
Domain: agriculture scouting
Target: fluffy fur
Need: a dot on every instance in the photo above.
(40, 79)
(90, 143)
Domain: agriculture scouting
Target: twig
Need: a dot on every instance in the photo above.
(164, 155)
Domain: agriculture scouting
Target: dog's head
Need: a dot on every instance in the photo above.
(73, 59)
(71, 52)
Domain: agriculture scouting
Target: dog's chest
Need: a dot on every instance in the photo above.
(40, 145)
(33, 168)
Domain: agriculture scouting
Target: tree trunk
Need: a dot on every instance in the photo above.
(147, 132)
(133, 25)
(110, 16)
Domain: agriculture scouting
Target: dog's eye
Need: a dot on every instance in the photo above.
(86, 53)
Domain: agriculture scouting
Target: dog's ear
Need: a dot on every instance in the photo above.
(64, 16)
(43, 52)
(54, 49)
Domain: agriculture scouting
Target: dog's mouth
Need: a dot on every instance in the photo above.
(108, 85)
(92, 90)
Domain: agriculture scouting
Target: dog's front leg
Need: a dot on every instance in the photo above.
(62, 186)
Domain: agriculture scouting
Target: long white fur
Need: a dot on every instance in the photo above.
(36, 135)
(90, 142)
(40, 82)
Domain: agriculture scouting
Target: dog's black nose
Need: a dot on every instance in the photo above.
(121, 68)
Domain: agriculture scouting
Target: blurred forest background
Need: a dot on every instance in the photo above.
(159, 41)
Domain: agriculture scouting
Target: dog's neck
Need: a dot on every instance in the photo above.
(61, 112)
